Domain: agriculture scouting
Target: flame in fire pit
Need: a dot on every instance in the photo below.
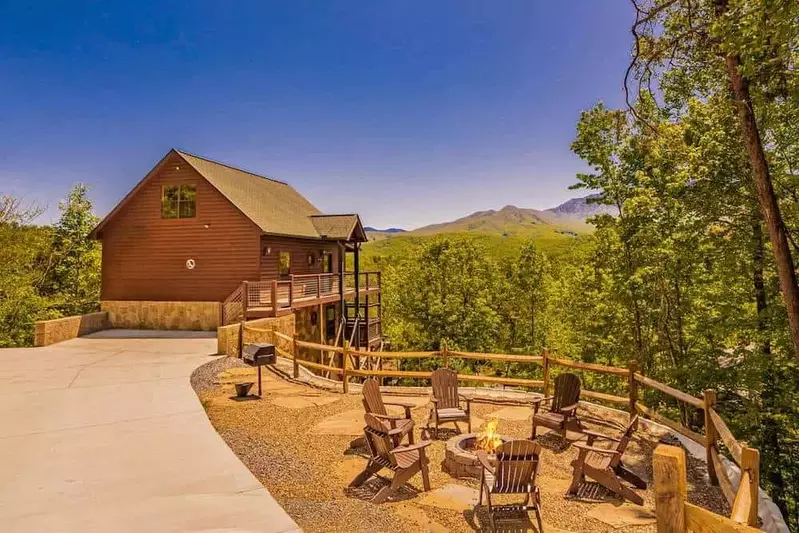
(488, 439)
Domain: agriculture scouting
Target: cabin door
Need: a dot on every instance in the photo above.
(330, 323)
(327, 263)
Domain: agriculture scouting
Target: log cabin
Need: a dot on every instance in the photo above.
(195, 230)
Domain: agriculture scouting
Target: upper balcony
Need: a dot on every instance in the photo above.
(258, 299)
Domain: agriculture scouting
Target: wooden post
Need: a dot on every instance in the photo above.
(710, 435)
(632, 387)
(668, 463)
(294, 352)
(291, 291)
(241, 339)
(245, 299)
(345, 385)
(357, 265)
(445, 352)
(545, 355)
(750, 461)
(274, 297)
(319, 285)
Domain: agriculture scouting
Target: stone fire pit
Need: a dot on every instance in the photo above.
(460, 459)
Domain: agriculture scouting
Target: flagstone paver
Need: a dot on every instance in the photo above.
(451, 496)
(515, 413)
(624, 515)
(347, 423)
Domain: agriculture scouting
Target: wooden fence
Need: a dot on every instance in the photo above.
(744, 499)
(674, 513)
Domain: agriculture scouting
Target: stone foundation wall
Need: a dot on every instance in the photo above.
(48, 332)
(308, 331)
(227, 337)
(133, 314)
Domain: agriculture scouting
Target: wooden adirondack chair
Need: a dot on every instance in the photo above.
(447, 405)
(562, 414)
(605, 466)
(404, 461)
(398, 426)
(514, 472)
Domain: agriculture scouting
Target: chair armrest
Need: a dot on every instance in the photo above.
(466, 399)
(598, 435)
(406, 406)
(482, 456)
(569, 408)
(588, 448)
(411, 447)
(542, 399)
(434, 400)
(388, 417)
(400, 404)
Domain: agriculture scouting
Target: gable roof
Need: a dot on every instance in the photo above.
(274, 206)
(339, 227)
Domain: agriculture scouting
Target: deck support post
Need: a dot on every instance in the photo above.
(245, 302)
(356, 263)
(710, 436)
(274, 297)
(668, 463)
(294, 350)
(632, 387)
(341, 266)
(345, 356)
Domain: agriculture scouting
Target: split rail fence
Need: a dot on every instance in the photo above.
(743, 499)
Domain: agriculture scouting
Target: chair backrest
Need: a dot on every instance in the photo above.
(372, 399)
(445, 388)
(516, 466)
(378, 440)
(624, 440)
(567, 391)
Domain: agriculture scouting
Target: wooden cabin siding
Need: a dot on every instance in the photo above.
(144, 256)
(299, 248)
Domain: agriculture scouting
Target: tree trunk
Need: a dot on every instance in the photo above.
(764, 188)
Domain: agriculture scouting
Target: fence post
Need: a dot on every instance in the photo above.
(294, 351)
(710, 436)
(633, 388)
(319, 288)
(545, 355)
(445, 353)
(668, 464)
(345, 356)
(750, 460)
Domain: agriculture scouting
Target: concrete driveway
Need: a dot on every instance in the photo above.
(104, 433)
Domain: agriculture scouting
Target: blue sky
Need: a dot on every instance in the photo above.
(408, 112)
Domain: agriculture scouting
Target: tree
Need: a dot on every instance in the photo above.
(74, 274)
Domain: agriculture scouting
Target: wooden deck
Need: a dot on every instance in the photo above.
(284, 307)
(259, 299)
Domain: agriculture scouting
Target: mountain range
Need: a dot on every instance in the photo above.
(566, 219)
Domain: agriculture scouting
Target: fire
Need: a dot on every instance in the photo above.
(488, 439)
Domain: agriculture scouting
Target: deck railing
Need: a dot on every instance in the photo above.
(278, 295)
(743, 499)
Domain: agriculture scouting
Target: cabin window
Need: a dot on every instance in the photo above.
(284, 265)
(327, 262)
(178, 201)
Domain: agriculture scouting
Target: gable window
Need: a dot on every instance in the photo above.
(178, 201)
(284, 266)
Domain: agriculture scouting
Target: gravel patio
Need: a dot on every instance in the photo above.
(296, 441)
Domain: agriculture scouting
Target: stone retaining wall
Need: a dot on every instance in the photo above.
(227, 337)
(134, 314)
(48, 332)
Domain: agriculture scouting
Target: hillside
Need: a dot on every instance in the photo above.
(580, 208)
(501, 231)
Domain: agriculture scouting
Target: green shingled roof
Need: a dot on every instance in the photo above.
(274, 206)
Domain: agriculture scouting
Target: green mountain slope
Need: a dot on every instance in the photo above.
(500, 232)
